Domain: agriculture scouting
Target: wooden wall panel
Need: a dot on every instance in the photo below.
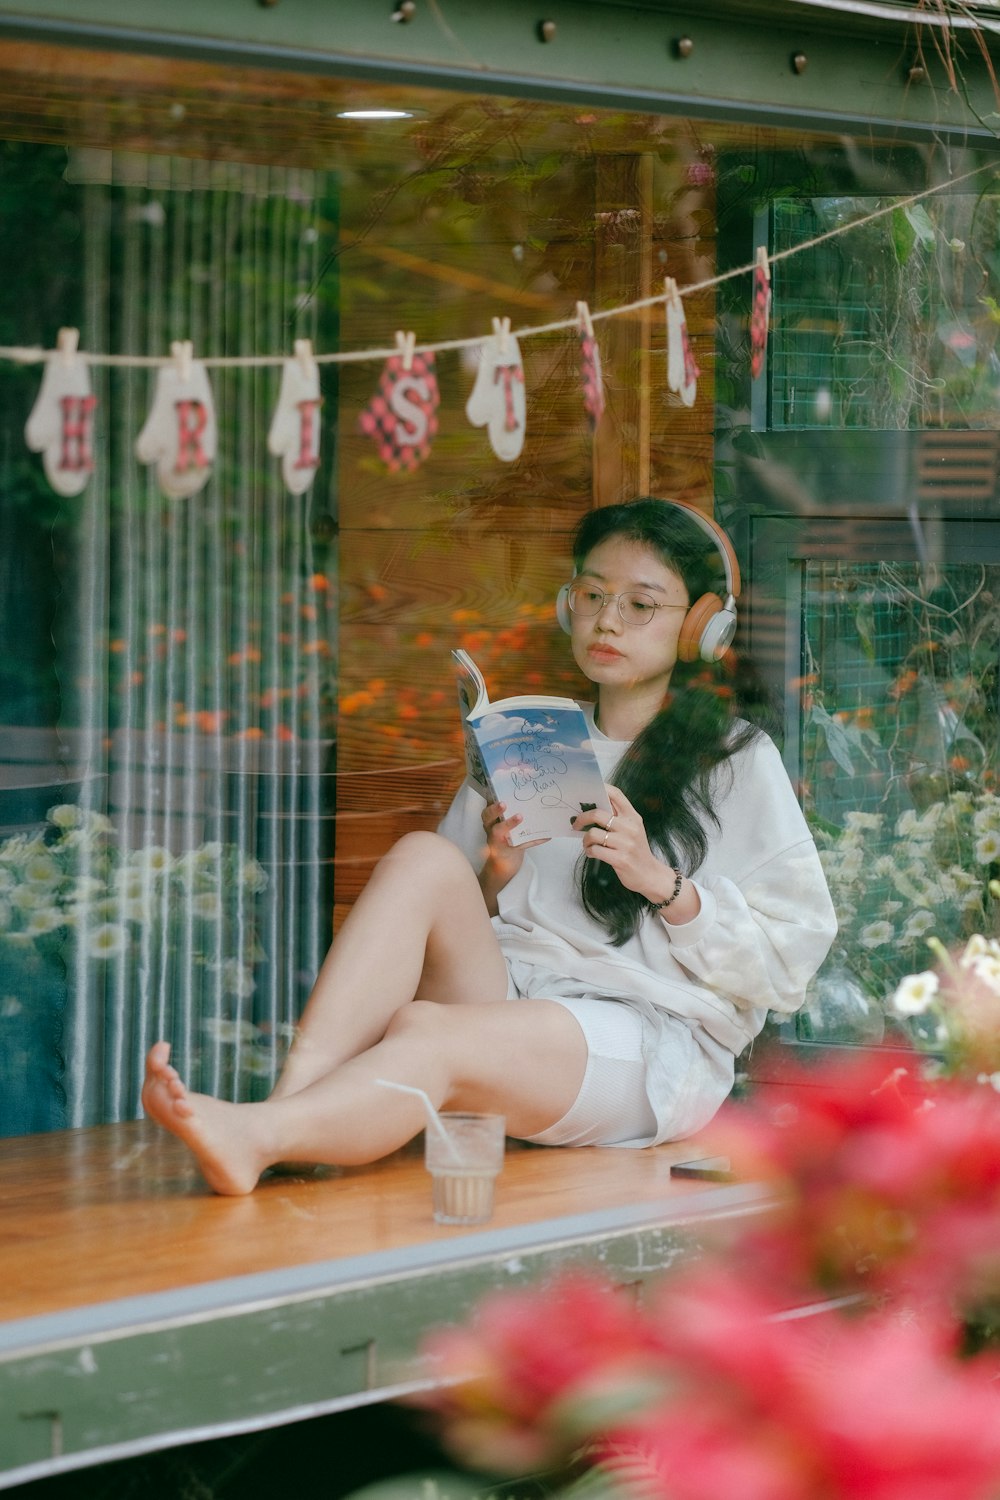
(469, 550)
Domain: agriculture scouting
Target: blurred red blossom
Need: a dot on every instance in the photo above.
(886, 1182)
(822, 1352)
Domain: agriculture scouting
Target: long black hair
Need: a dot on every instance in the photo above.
(712, 710)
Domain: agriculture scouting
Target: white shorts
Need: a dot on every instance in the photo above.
(612, 1107)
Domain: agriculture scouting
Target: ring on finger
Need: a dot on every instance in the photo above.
(604, 840)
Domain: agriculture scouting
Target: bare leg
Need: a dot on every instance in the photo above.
(419, 929)
(524, 1059)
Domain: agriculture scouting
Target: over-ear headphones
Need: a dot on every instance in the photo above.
(710, 623)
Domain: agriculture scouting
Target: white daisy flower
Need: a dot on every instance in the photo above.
(106, 941)
(27, 897)
(65, 815)
(153, 860)
(98, 823)
(988, 970)
(918, 923)
(254, 876)
(863, 822)
(207, 906)
(44, 919)
(916, 994)
(41, 869)
(987, 847)
(876, 934)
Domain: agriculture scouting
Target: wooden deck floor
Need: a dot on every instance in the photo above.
(138, 1310)
(119, 1211)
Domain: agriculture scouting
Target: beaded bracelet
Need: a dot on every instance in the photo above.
(662, 905)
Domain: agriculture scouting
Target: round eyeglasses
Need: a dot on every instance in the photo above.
(634, 607)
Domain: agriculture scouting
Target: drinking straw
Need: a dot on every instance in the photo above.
(432, 1115)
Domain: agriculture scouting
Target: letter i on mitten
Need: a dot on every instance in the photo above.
(294, 433)
(61, 424)
(497, 401)
(180, 435)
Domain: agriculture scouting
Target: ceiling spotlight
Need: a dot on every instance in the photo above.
(374, 114)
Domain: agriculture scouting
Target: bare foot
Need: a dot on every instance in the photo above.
(214, 1130)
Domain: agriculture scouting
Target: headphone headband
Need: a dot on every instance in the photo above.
(714, 531)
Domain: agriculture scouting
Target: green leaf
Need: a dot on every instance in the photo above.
(921, 223)
(841, 739)
(904, 236)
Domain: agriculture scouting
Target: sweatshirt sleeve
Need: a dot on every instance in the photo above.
(462, 825)
(766, 921)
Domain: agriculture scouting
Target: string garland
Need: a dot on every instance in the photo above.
(34, 355)
(180, 436)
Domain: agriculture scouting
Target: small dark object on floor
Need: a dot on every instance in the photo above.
(709, 1168)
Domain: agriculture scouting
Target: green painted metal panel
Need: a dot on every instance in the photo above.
(239, 1355)
(740, 64)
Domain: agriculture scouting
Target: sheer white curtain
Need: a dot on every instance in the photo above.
(198, 650)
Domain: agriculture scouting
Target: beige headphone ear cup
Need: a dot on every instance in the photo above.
(562, 609)
(693, 628)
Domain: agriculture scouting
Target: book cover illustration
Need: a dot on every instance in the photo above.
(531, 752)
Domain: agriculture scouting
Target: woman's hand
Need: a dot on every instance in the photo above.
(502, 860)
(617, 837)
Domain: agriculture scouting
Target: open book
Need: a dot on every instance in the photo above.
(530, 752)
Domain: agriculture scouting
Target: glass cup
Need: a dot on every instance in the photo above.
(464, 1158)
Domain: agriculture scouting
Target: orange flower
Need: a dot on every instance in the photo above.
(211, 720)
(284, 733)
(424, 639)
(319, 583)
(460, 616)
(117, 647)
(408, 711)
(376, 591)
(178, 636)
(308, 611)
(351, 702)
(253, 732)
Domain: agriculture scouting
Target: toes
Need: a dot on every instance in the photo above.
(157, 1058)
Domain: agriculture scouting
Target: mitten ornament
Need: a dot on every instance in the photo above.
(401, 418)
(180, 435)
(682, 371)
(61, 424)
(294, 432)
(591, 375)
(761, 313)
(497, 401)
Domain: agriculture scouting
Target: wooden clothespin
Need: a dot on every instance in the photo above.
(585, 320)
(762, 262)
(182, 352)
(67, 343)
(501, 330)
(304, 355)
(671, 296)
(404, 346)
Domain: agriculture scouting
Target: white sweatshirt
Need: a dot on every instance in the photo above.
(765, 925)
